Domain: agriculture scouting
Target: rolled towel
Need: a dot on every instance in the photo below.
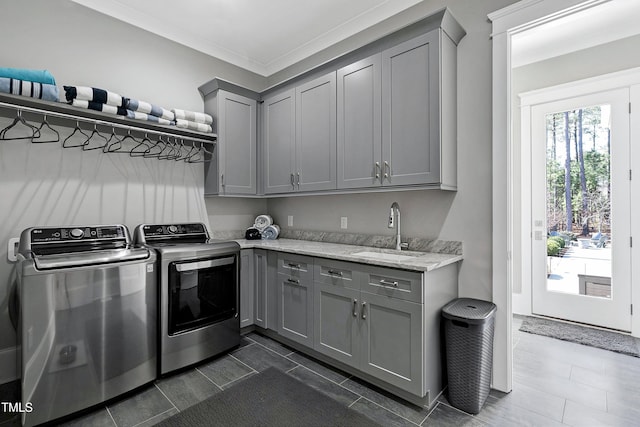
(148, 108)
(37, 76)
(96, 106)
(31, 89)
(136, 115)
(271, 232)
(193, 116)
(252, 234)
(200, 127)
(262, 222)
(84, 93)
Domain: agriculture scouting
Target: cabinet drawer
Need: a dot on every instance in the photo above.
(296, 266)
(335, 273)
(401, 284)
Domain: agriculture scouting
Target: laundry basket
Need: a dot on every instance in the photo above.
(468, 334)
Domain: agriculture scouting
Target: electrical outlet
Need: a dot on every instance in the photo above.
(343, 222)
(290, 221)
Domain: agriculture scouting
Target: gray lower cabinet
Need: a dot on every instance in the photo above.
(233, 168)
(295, 292)
(260, 287)
(379, 334)
(246, 287)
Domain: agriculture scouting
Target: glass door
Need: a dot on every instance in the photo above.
(580, 156)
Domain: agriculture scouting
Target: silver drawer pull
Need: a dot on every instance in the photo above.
(335, 273)
(385, 283)
(363, 314)
(296, 266)
(294, 281)
(355, 307)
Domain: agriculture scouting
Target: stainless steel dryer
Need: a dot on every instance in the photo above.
(199, 292)
(87, 318)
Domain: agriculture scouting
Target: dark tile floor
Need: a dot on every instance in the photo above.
(555, 383)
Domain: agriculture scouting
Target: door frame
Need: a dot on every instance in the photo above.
(603, 89)
(506, 22)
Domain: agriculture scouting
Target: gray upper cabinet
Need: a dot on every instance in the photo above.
(316, 134)
(299, 138)
(410, 113)
(279, 142)
(359, 137)
(232, 170)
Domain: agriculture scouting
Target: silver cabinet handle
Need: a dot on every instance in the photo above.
(335, 273)
(377, 170)
(294, 281)
(222, 180)
(295, 266)
(293, 184)
(387, 168)
(363, 314)
(355, 307)
(298, 183)
(385, 283)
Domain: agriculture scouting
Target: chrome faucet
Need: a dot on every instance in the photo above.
(394, 216)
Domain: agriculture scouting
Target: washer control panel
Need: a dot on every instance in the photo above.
(75, 234)
(170, 233)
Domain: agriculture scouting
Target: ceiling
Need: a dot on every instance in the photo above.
(604, 23)
(258, 35)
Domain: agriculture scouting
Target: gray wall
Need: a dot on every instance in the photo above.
(599, 60)
(47, 185)
(463, 216)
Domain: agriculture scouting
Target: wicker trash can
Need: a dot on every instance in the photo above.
(468, 335)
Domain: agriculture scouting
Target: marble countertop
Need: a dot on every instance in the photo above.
(406, 260)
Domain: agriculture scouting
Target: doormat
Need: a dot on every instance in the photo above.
(270, 398)
(592, 337)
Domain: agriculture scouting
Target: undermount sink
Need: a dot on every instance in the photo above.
(385, 256)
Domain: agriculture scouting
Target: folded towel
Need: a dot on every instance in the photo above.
(193, 116)
(147, 108)
(37, 76)
(27, 88)
(271, 232)
(200, 127)
(262, 222)
(84, 93)
(136, 115)
(105, 108)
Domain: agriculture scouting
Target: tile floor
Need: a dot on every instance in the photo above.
(555, 383)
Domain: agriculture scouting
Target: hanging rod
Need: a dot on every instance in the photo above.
(65, 111)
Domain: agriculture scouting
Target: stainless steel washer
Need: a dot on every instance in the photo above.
(87, 318)
(199, 292)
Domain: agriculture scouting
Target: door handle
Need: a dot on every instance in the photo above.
(387, 168)
(293, 184)
(294, 281)
(298, 179)
(377, 170)
(335, 273)
(363, 313)
(355, 307)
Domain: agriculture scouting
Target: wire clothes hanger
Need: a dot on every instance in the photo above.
(140, 152)
(35, 132)
(80, 131)
(116, 146)
(87, 147)
(43, 125)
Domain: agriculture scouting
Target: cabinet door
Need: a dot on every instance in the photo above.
(316, 134)
(246, 287)
(236, 146)
(279, 142)
(336, 322)
(392, 341)
(260, 286)
(296, 309)
(359, 135)
(410, 118)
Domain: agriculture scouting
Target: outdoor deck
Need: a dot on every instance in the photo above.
(589, 262)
